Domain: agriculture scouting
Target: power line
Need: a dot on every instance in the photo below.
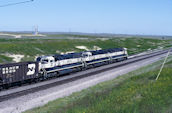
(16, 3)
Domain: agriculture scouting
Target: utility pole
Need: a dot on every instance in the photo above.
(163, 65)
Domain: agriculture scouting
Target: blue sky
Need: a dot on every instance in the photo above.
(147, 17)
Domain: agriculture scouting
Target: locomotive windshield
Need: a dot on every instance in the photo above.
(44, 61)
(38, 59)
(85, 55)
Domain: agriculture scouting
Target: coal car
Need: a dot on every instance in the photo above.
(17, 72)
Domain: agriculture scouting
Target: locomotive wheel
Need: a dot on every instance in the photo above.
(20, 84)
(1, 88)
(36, 80)
(6, 86)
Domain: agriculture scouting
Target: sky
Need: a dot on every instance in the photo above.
(145, 17)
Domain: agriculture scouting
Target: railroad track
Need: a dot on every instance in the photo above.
(15, 94)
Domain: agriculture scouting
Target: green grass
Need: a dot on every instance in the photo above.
(5, 59)
(135, 92)
(33, 47)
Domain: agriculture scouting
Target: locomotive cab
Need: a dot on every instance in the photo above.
(46, 62)
(86, 56)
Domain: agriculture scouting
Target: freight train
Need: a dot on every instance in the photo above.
(55, 65)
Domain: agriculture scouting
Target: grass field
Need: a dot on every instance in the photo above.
(31, 48)
(135, 92)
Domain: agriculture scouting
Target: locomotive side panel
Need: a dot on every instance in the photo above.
(16, 72)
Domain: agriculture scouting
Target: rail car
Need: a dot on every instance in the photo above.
(56, 65)
(16, 73)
